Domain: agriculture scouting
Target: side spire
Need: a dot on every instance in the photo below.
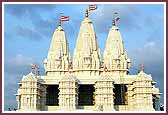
(58, 54)
(115, 56)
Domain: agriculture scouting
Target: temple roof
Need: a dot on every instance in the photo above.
(30, 77)
(143, 76)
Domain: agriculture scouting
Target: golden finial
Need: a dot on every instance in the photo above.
(87, 13)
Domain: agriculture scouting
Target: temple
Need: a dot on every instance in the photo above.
(87, 81)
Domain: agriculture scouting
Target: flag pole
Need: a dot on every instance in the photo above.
(60, 22)
(87, 13)
(90, 8)
(116, 15)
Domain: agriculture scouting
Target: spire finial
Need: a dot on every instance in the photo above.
(60, 23)
(113, 23)
(87, 13)
(116, 18)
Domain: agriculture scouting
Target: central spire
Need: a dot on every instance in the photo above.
(86, 53)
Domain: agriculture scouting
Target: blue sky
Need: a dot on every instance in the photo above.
(28, 32)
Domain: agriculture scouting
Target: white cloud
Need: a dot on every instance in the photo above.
(20, 60)
(19, 64)
(132, 18)
(149, 44)
(150, 53)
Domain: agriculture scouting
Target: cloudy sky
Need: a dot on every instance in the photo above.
(28, 32)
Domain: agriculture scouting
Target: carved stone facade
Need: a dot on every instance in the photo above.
(87, 85)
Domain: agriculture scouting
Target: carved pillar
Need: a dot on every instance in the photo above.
(130, 98)
(104, 98)
(68, 95)
(43, 97)
(18, 101)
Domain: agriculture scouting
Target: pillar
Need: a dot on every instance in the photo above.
(43, 97)
(130, 98)
(104, 96)
(68, 94)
